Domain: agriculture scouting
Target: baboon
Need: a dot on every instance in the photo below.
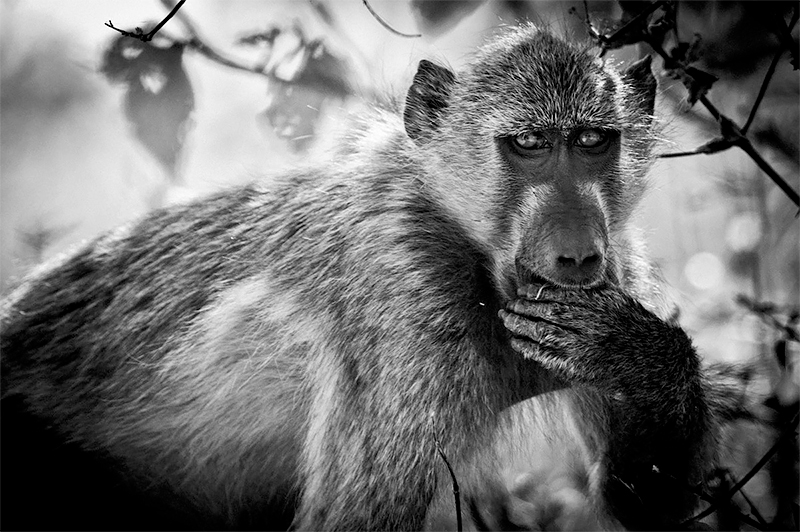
(463, 275)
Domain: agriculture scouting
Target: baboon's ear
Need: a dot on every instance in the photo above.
(426, 98)
(640, 76)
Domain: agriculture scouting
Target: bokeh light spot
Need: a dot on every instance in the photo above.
(744, 232)
(704, 270)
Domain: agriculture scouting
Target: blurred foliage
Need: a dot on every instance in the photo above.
(303, 76)
(159, 98)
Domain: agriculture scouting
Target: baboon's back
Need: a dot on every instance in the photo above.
(84, 343)
(177, 348)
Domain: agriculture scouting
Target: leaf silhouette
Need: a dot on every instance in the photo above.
(159, 99)
(305, 75)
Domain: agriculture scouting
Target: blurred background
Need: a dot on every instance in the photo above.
(97, 129)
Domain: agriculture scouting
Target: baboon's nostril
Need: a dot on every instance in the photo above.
(587, 261)
(591, 260)
(577, 266)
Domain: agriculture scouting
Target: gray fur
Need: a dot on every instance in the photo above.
(312, 340)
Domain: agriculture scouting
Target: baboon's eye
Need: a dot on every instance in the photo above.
(591, 138)
(530, 140)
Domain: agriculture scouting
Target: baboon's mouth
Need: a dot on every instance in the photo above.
(528, 276)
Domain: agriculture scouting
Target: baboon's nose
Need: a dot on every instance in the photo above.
(580, 264)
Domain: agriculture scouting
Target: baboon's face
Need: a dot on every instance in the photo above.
(559, 185)
(544, 163)
(539, 150)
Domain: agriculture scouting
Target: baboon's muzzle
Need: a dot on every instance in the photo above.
(565, 243)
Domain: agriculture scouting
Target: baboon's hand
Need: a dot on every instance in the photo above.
(598, 336)
(541, 499)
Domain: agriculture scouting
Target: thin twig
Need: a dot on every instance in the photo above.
(667, 59)
(788, 430)
(753, 509)
(198, 44)
(768, 77)
(587, 20)
(711, 500)
(768, 316)
(644, 13)
(744, 143)
(146, 37)
(741, 141)
(679, 154)
(763, 89)
(748, 148)
(169, 16)
(456, 490)
(387, 26)
(710, 107)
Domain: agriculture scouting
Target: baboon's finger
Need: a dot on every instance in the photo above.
(541, 332)
(548, 310)
(518, 325)
(560, 317)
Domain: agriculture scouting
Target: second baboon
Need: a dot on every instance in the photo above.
(460, 274)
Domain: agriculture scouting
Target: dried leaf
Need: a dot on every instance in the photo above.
(697, 82)
(292, 112)
(305, 75)
(662, 23)
(628, 29)
(159, 98)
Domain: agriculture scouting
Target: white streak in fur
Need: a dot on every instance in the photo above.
(233, 410)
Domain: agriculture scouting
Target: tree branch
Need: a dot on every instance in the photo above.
(456, 490)
(734, 136)
(387, 26)
(788, 430)
(770, 71)
(138, 33)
